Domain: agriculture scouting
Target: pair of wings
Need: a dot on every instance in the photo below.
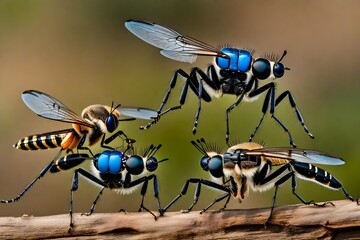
(296, 154)
(48, 107)
(277, 153)
(173, 44)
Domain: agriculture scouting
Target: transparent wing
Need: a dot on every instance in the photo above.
(296, 154)
(141, 113)
(51, 108)
(173, 44)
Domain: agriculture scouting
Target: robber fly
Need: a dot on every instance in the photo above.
(234, 71)
(112, 169)
(122, 173)
(249, 165)
(95, 121)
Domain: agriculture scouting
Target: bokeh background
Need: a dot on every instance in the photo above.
(81, 53)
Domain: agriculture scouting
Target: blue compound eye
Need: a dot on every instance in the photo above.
(204, 163)
(216, 166)
(223, 63)
(278, 70)
(111, 123)
(261, 68)
(151, 164)
(231, 62)
(103, 162)
(244, 61)
(115, 162)
(134, 165)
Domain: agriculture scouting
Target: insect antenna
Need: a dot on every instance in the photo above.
(112, 109)
(153, 150)
(283, 55)
(197, 144)
(281, 58)
(149, 151)
(163, 160)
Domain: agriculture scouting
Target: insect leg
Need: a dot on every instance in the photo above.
(167, 95)
(293, 105)
(92, 209)
(197, 87)
(121, 135)
(227, 135)
(218, 199)
(42, 173)
(269, 101)
(250, 85)
(212, 78)
(234, 189)
(145, 180)
(75, 186)
(81, 145)
(348, 196)
(293, 185)
(197, 193)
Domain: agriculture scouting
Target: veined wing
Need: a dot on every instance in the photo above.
(48, 107)
(296, 154)
(141, 113)
(173, 44)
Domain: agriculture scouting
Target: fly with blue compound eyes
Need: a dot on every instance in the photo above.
(235, 72)
(94, 123)
(120, 172)
(112, 169)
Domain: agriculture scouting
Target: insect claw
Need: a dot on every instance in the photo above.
(70, 228)
(194, 130)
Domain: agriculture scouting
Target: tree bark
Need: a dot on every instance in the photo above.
(341, 221)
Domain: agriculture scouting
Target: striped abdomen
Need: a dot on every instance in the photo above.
(317, 174)
(66, 139)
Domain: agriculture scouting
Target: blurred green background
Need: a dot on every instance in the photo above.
(81, 53)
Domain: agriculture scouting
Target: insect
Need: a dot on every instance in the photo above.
(234, 71)
(95, 121)
(249, 165)
(110, 169)
(122, 173)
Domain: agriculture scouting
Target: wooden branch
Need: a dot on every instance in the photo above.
(295, 221)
